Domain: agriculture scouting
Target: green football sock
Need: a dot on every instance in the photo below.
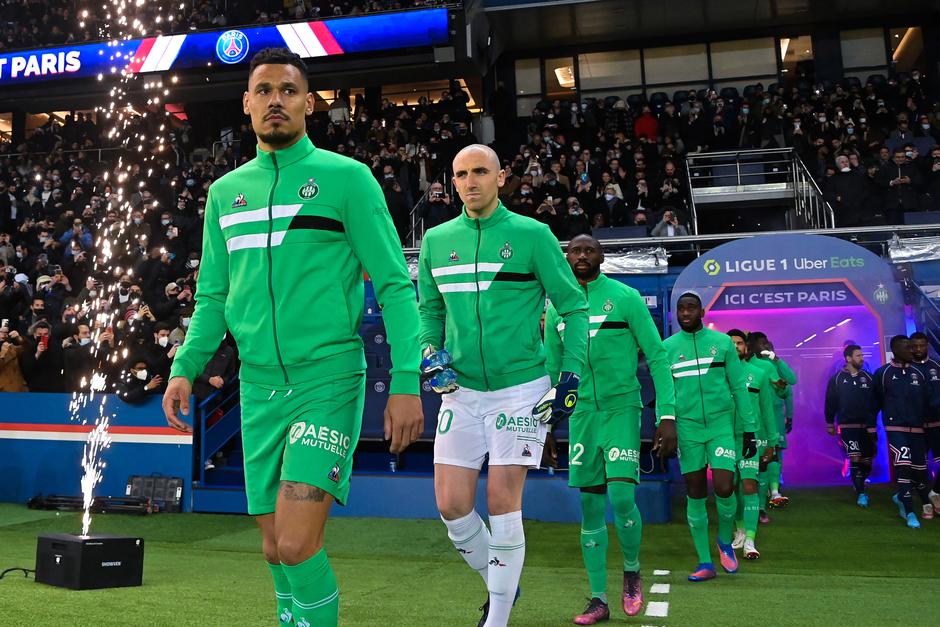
(726, 506)
(739, 512)
(697, 516)
(628, 521)
(282, 592)
(594, 542)
(762, 490)
(751, 514)
(316, 597)
(773, 476)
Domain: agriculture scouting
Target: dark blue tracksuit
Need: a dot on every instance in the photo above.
(903, 395)
(852, 399)
(931, 371)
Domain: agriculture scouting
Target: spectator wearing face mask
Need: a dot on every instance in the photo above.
(177, 300)
(139, 382)
(41, 360)
(845, 193)
(612, 207)
(525, 200)
(901, 181)
(78, 358)
(575, 221)
(438, 207)
(160, 353)
(11, 348)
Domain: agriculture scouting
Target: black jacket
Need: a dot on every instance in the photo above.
(903, 395)
(852, 399)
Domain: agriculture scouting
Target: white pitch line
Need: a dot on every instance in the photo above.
(660, 573)
(657, 608)
(660, 588)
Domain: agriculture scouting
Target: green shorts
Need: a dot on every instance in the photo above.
(305, 433)
(603, 445)
(748, 468)
(701, 446)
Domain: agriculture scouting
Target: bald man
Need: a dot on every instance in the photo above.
(482, 282)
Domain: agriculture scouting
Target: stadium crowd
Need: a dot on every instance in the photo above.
(582, 166)
(873, 149)
(58, 207)
(33, 23)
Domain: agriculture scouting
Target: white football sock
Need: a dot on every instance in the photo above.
(471, 539)
(507, 553)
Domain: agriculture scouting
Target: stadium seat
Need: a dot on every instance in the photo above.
(772, 88)
(610, 101)
(679, 97)
(750, 91)
(878, 80)
(701, 94)
(850, 82)
(636, 101)
(658, 100)
(729, 94)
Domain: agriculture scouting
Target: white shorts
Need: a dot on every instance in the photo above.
(471, 424)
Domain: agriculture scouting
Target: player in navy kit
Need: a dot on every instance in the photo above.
(850, 397)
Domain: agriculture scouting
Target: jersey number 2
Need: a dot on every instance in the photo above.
(578, 450)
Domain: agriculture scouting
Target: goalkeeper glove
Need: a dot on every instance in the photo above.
(749, 445)
(559, 402)
(435, 368)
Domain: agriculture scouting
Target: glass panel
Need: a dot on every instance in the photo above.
(676, 63)
(599, 70)
(907, 49)
(6, 127)
(863, 47)
(525, 105)
(747, 57)
(600, 94)
(559, 78)
(796, 54)
(528, 80)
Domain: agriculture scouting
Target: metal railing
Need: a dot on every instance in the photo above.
(927, 312)
(46, 153)
(415, 219)
(735, 175)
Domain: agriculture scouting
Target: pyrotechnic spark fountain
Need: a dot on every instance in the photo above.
(143, 148)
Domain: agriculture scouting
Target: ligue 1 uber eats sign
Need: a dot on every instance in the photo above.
(811, 295)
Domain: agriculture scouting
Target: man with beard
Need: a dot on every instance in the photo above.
(604, 436)
(711, 400)
(299, 215)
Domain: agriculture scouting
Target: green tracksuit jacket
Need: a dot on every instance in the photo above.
(783, 399)
(620, 326)
(482, 286)
(709, 380)
(287, 236)
(759, 373)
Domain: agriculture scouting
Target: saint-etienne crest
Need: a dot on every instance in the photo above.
(309, 190)
(608, 306)
(506, 251)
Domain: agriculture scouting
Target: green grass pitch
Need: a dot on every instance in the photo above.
(824, 562)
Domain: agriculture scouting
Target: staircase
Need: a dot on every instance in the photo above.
(754, 190)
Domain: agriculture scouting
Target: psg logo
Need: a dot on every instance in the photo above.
(231, 47)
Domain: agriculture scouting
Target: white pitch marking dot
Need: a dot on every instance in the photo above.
(660, 588)
(660, 573)
(657, 608)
